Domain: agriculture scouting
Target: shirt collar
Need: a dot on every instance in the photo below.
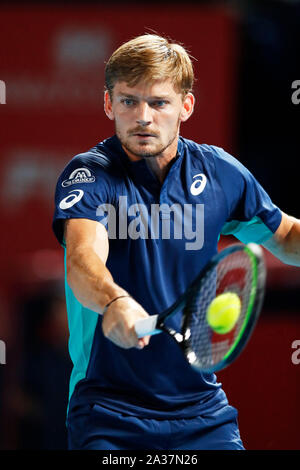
(139, 169)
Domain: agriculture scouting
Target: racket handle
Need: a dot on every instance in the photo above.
(146, 326)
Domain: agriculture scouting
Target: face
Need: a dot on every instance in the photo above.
(147, 117)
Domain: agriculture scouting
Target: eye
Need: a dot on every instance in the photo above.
(159, 103)
(127, 102)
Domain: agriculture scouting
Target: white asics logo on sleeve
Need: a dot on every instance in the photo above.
(72, 199)
(198, 185)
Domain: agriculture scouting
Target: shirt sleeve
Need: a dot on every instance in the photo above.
(84, 190)
(252, 216)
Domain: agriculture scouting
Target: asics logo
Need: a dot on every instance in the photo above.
(72, 199)
(199, 184)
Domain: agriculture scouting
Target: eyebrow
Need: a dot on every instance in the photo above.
(128, 95)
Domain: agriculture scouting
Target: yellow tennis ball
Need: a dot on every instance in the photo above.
(223, 312)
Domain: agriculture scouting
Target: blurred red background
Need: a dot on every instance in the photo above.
(52, 61)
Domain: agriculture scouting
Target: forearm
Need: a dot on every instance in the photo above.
(90, 280)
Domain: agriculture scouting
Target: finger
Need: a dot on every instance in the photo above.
(146, 340)
(140, 344)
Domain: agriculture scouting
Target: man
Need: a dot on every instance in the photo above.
(113, 204)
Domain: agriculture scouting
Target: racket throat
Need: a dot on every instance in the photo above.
(178, 337)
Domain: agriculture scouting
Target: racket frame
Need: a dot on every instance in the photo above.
(257, 292)
(156, 323)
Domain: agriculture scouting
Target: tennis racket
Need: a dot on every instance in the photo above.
(239, 269)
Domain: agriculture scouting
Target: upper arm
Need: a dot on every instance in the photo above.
(285, 243)
(84, 186)
(83, 234)
(281, 234)
(283, 230)
(251, 215)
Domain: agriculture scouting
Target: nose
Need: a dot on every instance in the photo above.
(144, 114)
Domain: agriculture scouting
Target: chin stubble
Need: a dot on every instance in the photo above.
(145, 154)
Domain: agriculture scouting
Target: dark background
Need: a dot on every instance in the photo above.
(52, 61)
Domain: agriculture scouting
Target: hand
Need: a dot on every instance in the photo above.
(119, 320)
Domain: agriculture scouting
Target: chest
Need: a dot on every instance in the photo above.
(189, 206)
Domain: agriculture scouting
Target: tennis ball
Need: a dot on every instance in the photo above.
(223, 312)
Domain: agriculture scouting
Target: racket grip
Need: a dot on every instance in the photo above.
(146, 326)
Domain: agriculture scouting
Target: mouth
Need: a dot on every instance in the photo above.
(143, 134)
(146, 135)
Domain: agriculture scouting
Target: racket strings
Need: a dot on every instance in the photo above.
(233, 274)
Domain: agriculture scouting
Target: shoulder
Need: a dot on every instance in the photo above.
(222, 161)
(211, 153)
(100, 160)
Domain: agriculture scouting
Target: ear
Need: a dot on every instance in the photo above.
(108, 106)
(187, 107)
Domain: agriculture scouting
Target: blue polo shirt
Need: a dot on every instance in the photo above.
(160, 237)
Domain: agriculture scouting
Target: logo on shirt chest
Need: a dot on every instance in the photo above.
(80, 175)
(197, 187)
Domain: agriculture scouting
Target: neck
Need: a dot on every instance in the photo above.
(161, 163)
(160, 166)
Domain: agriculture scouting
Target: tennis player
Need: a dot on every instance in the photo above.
(138, 216)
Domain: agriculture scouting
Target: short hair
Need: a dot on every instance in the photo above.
(150, 57)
